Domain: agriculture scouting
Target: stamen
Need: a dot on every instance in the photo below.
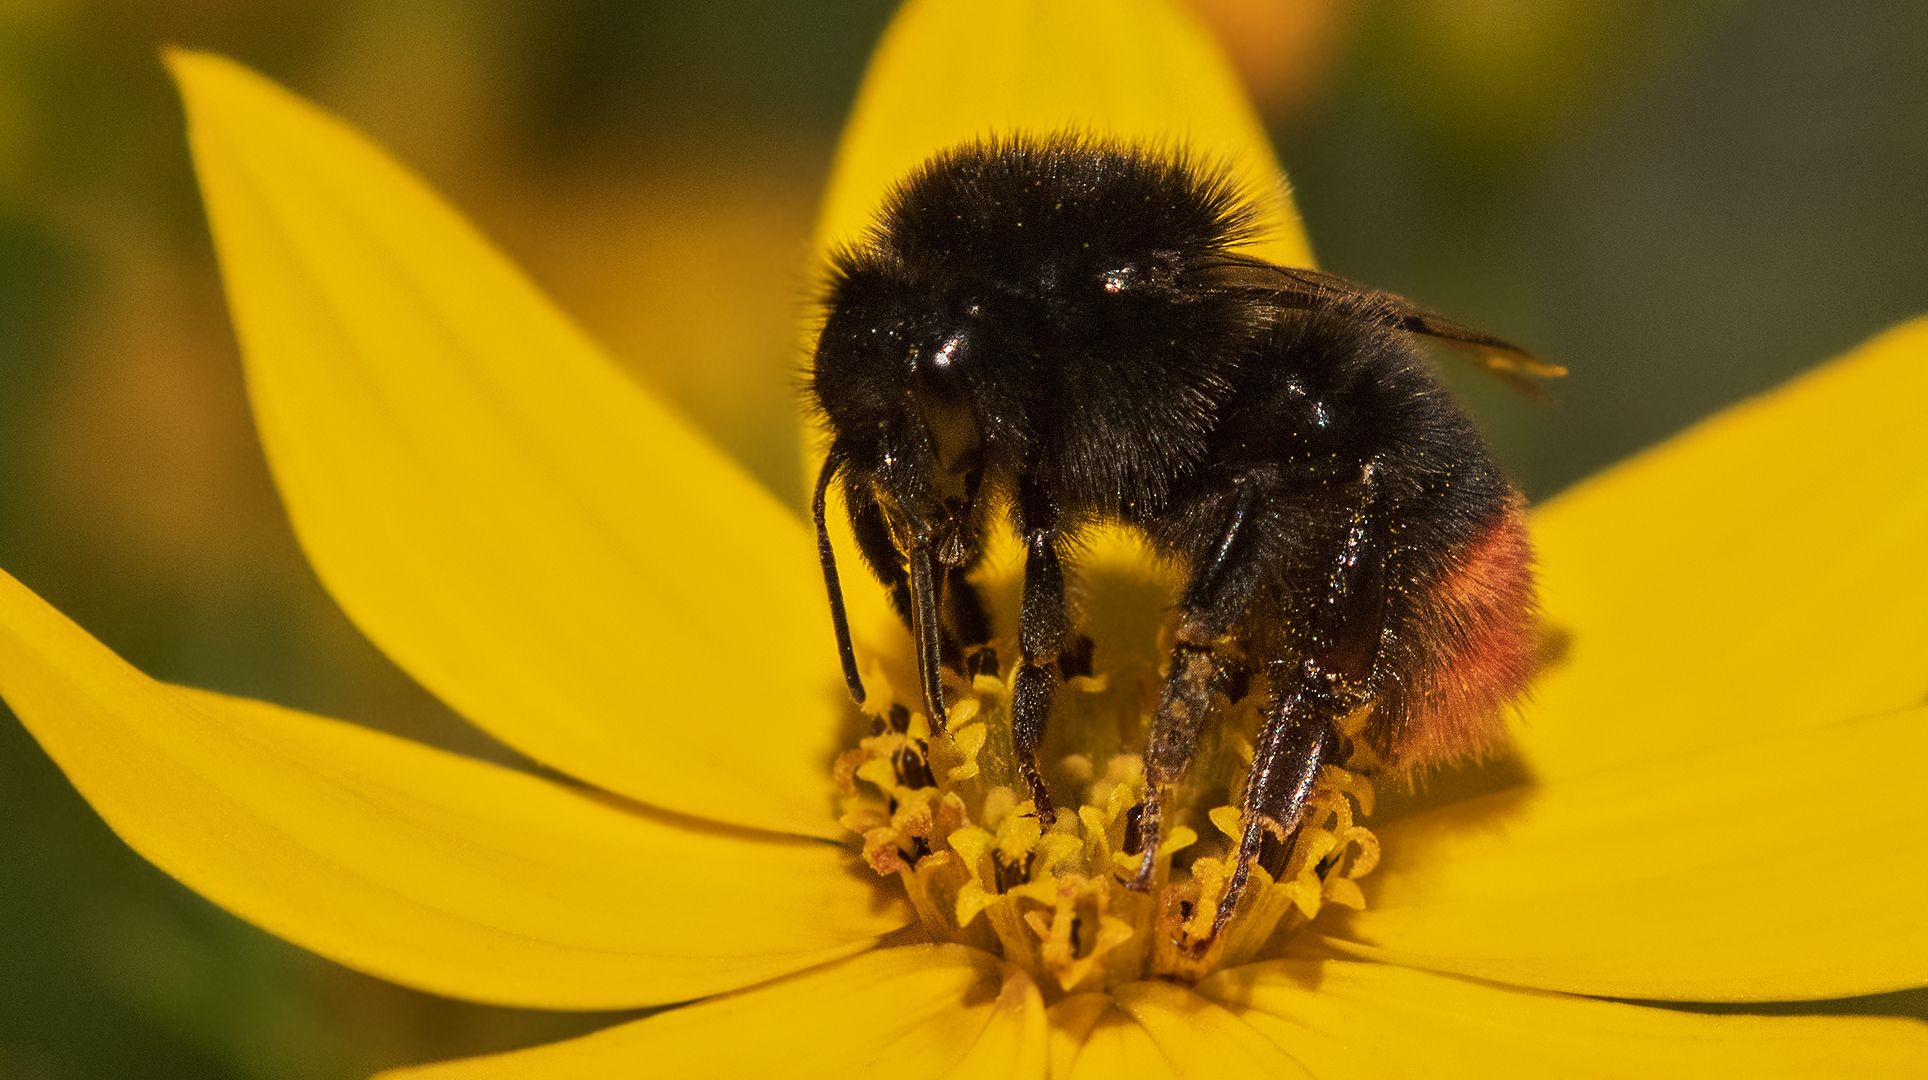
(944, 816)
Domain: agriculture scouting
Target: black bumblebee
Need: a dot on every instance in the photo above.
(1057, 328)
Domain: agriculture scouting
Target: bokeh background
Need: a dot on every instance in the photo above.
(1685, 201)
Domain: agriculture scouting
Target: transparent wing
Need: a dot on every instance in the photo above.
(1297, 288)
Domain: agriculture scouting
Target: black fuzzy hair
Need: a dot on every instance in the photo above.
(1000, 204)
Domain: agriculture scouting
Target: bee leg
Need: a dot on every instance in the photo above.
(1294, 743)
(906, 584)
(1042, 623)
(1343, 623)
(880, 552)
(1174, 737)
(1219, 592)
(926, 632)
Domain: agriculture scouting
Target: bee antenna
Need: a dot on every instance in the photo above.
(827, 556)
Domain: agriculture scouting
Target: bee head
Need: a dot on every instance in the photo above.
(897, 382)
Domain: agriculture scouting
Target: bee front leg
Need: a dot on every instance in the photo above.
(1219, 592)
(1042, 625)
(905, 583)
(879, 551)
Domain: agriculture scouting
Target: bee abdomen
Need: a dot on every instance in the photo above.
(1464, 652)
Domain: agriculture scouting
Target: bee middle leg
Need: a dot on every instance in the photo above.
(1221, 589)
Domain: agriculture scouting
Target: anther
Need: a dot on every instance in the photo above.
(1235, 679)
(1134, 837)
(1272, 855)
(982, 662)
(911, 769)
(1008, 876)
(1076, 660)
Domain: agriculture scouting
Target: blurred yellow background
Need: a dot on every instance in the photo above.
(1682, 202)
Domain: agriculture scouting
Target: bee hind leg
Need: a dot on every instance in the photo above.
(1343, 621)
(1297, 738)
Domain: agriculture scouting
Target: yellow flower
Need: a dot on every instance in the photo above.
(1725, 802)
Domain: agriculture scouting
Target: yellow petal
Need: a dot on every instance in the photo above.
(1155, 1029)
(511, 519)
(1072, 1021)
(1140, 70)
(1359, 1021)
(920, 1011)
(1788, 867)
(1761, 572)
(1013, 1041)
(1116, 1046)
(417, 865)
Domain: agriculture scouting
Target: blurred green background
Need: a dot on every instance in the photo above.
(1684, 202)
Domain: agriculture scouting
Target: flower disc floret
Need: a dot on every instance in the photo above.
(941, 815)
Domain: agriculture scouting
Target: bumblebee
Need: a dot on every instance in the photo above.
(1048, 333)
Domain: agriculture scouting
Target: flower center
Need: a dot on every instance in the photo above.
(944, 816)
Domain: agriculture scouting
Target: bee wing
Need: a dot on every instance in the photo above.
(1298, 288)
